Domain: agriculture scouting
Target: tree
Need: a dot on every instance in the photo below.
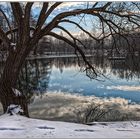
(112, 18)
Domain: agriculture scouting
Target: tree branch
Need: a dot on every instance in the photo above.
(41, 18)
(28, 11)
(96, 3)
(106, 5)
(69, 21)
(27, 17)
(90, 11)
(52, 9)
(74, 39)
(88, 65)
(17, 12)
(16, 30)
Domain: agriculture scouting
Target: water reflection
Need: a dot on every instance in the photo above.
(63, 74)
(66, 107)
(34, 77)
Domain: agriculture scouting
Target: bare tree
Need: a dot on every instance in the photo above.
(112, 17)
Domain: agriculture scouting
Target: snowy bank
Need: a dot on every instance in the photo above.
(21, 127)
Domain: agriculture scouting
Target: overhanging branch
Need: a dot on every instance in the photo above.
(88, 65)
(80, 27)
(70, 35)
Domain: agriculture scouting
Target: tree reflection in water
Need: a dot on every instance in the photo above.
(33, 79)
(35, 75)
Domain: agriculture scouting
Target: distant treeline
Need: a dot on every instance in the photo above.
(128, 43)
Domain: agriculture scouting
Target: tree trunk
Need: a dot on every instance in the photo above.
(8, 83)
(19, 100)
(12, 68)
(8, 97)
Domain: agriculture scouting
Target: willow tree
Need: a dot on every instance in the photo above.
(112, 18)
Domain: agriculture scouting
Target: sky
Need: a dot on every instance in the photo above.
(66, 6)
(87, 22)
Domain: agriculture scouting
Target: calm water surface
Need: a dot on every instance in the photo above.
(64, 75)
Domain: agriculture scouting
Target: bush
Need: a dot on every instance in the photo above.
(101, 112)
(91, 113)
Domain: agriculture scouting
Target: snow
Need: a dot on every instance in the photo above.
(14, 109)
(17, 92)
(13, 44)
(16, 126)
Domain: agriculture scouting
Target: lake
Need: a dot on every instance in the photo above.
(58, 89)
(121, 77)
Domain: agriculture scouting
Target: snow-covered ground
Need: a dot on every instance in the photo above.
(21, 127)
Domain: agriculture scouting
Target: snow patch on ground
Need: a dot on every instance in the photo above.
(14, 109)
(21, 127)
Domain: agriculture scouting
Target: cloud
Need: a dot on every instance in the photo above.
(64, 5)
(75, 4)
(124, 88)
(71, 4)
(62, 106)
